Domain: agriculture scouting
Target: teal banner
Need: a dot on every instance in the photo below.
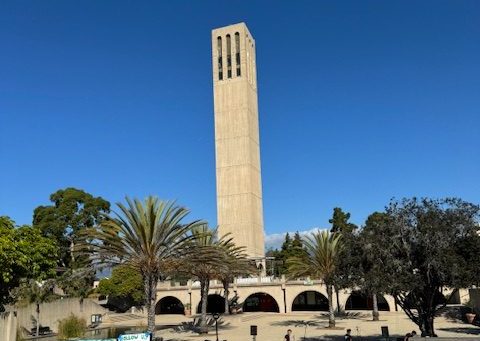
(135, 337)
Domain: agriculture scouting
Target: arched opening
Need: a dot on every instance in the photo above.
(215, 304)
(169, 305)
(310, 301)
(260, 302)
(360, 301)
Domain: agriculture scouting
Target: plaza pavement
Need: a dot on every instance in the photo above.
(272, 326)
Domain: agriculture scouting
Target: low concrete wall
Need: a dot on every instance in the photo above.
(8, 326)
(51, 313)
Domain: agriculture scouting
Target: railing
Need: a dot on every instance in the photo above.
(241, 281)
(254, 280)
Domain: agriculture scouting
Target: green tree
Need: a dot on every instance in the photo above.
(24, 254)
(290, 248)
(72, 211)
(424, 248)
(348, 265)
(10, 260)
(323, 249)
(148, 236)
(340, 222)
(348, 270)
(40, 254)
(282, 255)
(125, 283)
(296, 248)
(374, 280)
(287, 243)
(35, 292)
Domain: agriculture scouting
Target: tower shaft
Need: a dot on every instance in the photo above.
(237, 143)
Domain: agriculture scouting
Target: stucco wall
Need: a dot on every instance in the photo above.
(284, 292)
(8, 326)
(51, 313)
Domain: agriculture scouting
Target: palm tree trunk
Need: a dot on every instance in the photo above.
(37, 332)
(204, 287)
(338, 299)
(375, 313)
(331, 313)
(150, 283)
(226, 286)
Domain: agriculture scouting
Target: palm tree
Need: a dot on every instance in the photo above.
(320, 262)
(35, 292)
(205, 261)
(236, 264)
(148, 236)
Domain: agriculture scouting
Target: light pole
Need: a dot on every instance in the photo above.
(216, 316)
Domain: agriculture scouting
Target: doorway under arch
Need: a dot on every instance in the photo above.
(310, 300)
(169, 305)
(215, 304)
(260, 301)
(360, 301)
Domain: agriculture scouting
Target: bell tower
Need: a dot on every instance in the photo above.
(237, 143)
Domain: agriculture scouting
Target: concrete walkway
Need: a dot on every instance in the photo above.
(273, 326)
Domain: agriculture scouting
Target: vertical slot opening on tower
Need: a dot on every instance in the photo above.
(237, 53)
(229, 57)
(220, 61)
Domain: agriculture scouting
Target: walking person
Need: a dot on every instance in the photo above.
(289, 336)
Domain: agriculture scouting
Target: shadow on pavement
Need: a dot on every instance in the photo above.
(345, 315)
(466, 330)
(300, 323)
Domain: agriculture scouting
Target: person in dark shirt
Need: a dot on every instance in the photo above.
(348, 336)
(409, 335)
(289, 336)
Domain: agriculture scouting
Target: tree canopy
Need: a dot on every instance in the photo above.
(321, 260)
(422, 246)
(24, 254)
(72, 210)
(211, 256)
(340, 222)
(149, 236)
(290, 248)
(126, 284)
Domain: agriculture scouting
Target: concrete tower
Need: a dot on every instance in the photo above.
(237, 149)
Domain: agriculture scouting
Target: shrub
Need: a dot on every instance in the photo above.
(72, 326)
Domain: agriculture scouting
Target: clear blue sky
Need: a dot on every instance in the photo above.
(360, 101)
